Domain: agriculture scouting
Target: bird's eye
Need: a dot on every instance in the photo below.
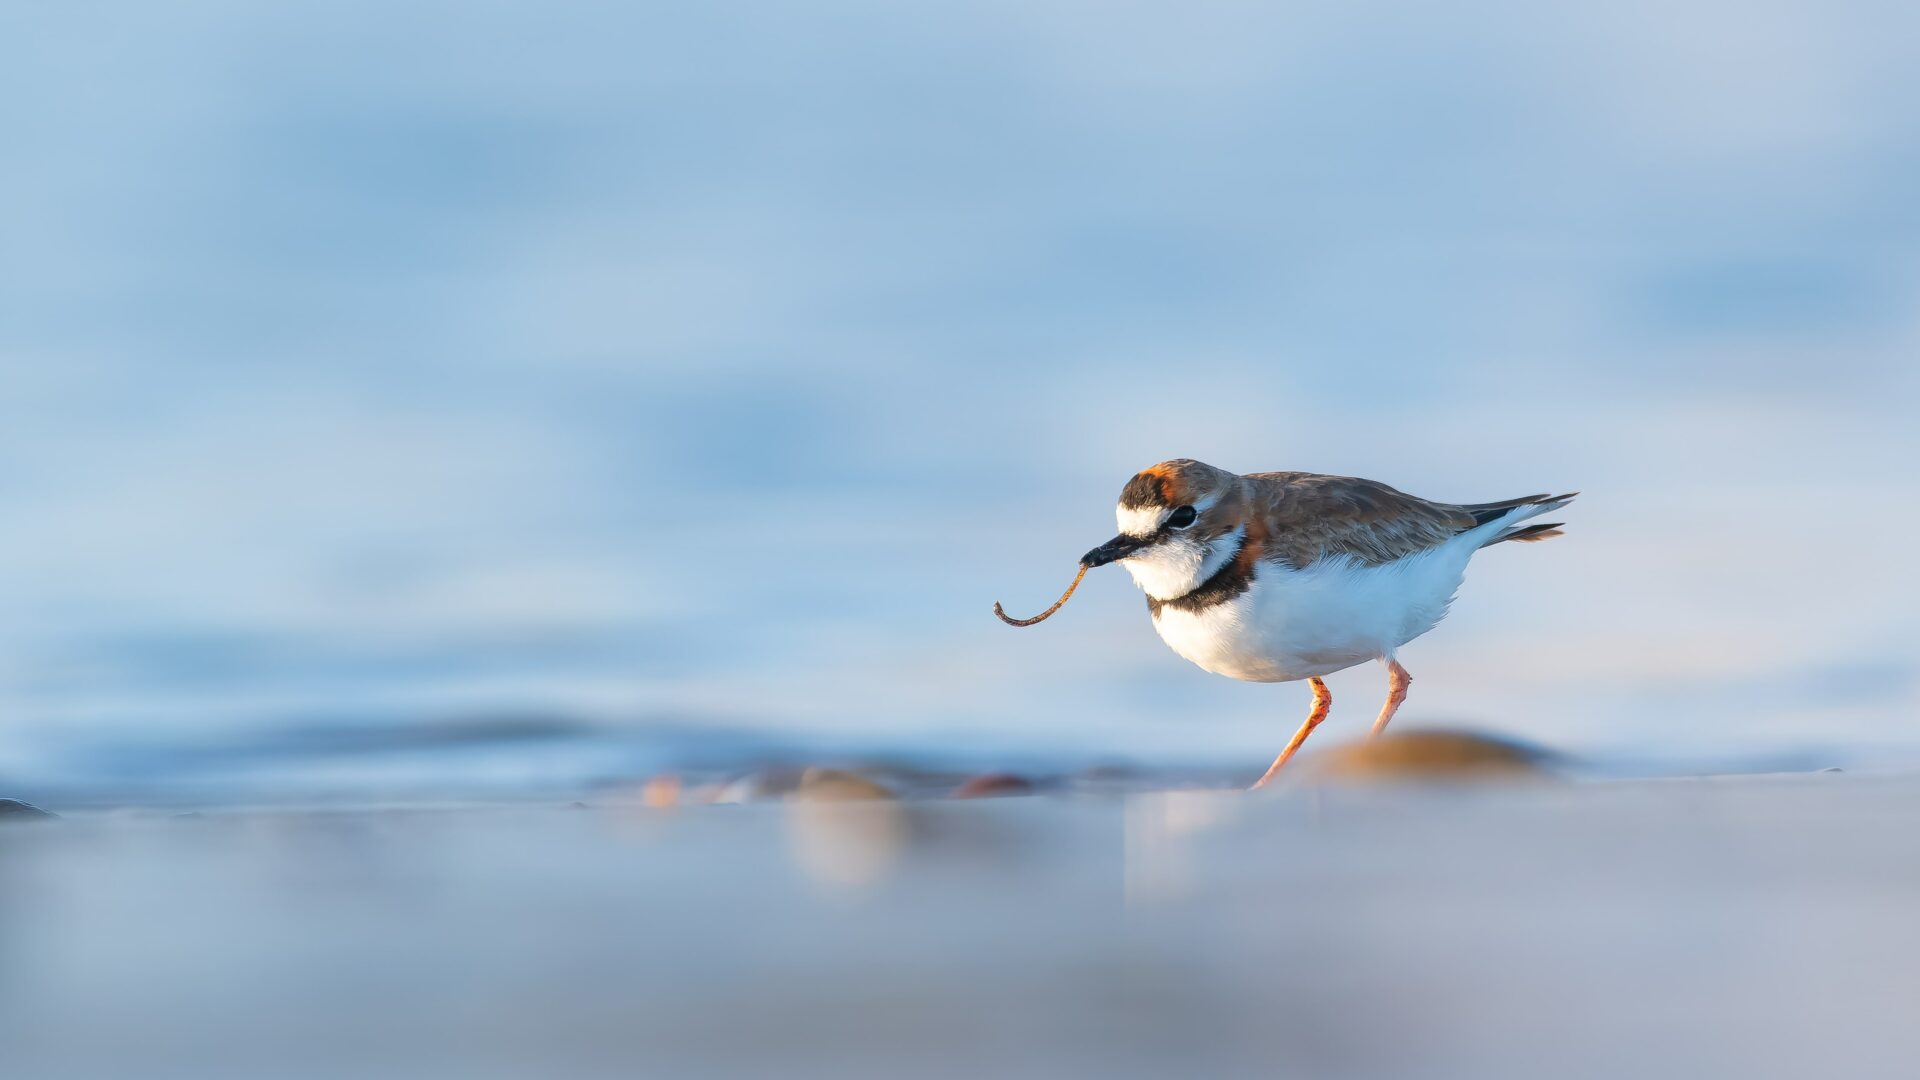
(1181, 518)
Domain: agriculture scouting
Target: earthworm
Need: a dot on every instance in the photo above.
(1056, 604)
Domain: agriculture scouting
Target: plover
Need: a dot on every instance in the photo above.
(1279, 576)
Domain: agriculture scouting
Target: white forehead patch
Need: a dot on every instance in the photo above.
(1141, 522)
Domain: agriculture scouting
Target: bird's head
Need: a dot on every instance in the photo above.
(1180, 522)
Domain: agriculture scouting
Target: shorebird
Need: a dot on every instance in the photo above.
(1281, 576)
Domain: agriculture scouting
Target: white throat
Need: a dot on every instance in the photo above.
(1171, 570)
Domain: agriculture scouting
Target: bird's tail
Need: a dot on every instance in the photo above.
(1510, 513)
(1546, 530)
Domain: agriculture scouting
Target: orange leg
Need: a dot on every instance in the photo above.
(1397, 682)
(1322, 704)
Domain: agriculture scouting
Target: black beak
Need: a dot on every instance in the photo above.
(1117, 548)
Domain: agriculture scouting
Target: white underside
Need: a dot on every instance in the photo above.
(1295, 624)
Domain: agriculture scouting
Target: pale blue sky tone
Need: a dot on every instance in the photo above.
(374, 363)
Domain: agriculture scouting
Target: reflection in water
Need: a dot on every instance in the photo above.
(847, 844)
(1160, 829)
(1512, 931)
(846, 830)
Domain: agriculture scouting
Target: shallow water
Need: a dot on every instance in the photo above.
(1756, 927)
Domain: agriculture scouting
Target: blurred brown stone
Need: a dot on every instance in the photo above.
(1423, 756)
(989, 785)
(661, 792)
(837, 785)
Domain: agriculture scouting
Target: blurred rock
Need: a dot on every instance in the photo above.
(837, 785)
(15, 810)
(661, 792)
(1423, 756)
(990, 785)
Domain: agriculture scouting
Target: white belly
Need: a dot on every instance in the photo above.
(1294, 624)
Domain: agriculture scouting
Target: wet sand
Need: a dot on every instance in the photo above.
(1753, 926)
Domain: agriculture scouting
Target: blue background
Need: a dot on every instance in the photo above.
(368, 370)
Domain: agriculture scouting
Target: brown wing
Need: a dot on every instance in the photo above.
(1310, 517)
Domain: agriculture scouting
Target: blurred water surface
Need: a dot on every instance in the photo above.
(1745, 927)
(663, 373)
